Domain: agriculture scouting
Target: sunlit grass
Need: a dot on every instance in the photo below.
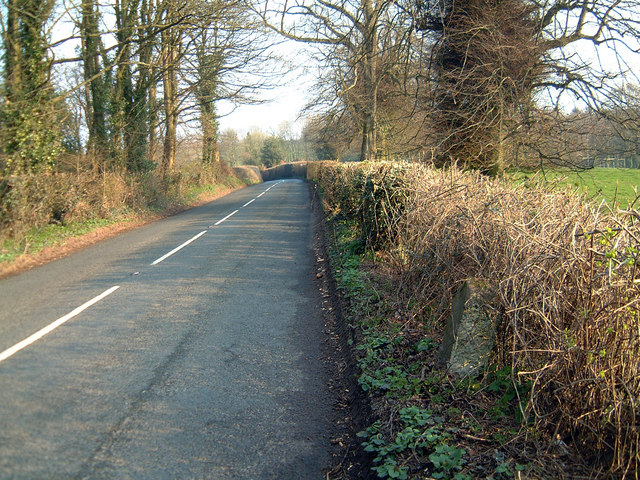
(38, 238)
(615, 185)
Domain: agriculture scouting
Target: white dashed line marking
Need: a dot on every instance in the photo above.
(52, 326)
(225, 218)
(178, 248)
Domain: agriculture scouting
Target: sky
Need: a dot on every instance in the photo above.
(288, 101)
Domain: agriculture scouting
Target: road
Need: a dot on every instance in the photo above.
(206, 363)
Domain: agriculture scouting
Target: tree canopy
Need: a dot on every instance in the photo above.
(484, 83)
(141, 67)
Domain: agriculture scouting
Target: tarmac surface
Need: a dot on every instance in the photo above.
(188, 348)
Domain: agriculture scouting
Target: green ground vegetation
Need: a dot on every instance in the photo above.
(423, 420)
(37, 238)
(132, 199)
(618, 186)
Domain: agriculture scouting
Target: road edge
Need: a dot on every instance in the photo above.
(351, 407)
(73, 244)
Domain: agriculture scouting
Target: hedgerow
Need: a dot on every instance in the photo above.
(565, 279)
(372, 194)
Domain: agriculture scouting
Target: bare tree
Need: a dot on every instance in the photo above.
(227, 56)
(230, 147)
(484, 63)
(147, 66)
(97, 88)
(171, 36)
(349, 33)
(496, 61)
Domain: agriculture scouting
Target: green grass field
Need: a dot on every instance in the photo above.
(615, 185)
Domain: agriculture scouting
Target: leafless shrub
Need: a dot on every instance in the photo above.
(33, 199)
(566, 283)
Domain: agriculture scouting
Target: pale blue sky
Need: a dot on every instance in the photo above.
(288, 101)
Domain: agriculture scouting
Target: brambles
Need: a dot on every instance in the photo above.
(372, 194)
(567, 285)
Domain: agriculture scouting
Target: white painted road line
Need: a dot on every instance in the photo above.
(228, 216)
(49, 328)
(178, 248)
(274, 185)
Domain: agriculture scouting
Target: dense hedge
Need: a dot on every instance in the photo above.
(286, 170)
(372, 194)
(35, 199)
(564, 273)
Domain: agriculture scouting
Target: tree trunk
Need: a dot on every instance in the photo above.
(96, 88)
(170, 43)
(209, 122)
(30, 125)
(368, 151)
(12, 81)
(138, 117)
(170, 113)
(169, 150)
(209, 62)
(123, 93)
(12, 68)
(152, 144)
(500, 155)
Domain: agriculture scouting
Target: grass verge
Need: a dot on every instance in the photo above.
(45, 216)
(35, 239)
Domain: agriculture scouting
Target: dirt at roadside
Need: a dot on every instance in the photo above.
(352, 409)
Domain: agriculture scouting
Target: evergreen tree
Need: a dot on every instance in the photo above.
(272, 152)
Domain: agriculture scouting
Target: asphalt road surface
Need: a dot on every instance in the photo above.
(122, 362)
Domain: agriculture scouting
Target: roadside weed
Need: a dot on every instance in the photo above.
(422, 428)
(423, 436)
(37, 238)
(513, 395)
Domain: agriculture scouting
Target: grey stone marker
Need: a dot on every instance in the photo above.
(470, 334)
